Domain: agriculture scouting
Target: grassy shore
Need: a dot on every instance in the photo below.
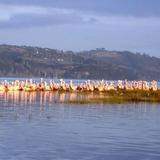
(120, 96)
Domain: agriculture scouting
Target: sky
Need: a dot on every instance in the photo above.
(78, 25)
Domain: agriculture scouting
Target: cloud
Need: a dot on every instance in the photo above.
(137, 8)
(114, 24)
(21, 16)
(12, 16)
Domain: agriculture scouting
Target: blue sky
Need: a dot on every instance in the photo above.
(82, 24)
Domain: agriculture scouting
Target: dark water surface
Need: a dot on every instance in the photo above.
(38, 127)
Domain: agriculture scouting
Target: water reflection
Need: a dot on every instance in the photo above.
(42, 100)
(49, 98)
(33, 125)
(30, 105)
(27, 98)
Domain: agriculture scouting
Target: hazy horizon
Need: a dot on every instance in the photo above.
(82, 25)
(82, 50)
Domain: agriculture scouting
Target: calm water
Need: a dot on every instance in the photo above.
(38, 127)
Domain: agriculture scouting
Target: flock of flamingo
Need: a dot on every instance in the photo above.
(90, 86)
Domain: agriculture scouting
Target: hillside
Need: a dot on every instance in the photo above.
(25, 61)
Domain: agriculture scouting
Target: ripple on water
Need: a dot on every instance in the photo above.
(41, 129)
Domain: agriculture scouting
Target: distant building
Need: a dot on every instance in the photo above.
(100, 49)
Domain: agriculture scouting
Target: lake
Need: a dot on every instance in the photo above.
(42, 126)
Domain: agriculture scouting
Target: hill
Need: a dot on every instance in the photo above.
(26, 61)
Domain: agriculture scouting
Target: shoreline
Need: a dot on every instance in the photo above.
(121, 96)
(86, 97)
(88, 91)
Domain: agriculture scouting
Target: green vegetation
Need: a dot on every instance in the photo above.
(121, 96)
(24, 61)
